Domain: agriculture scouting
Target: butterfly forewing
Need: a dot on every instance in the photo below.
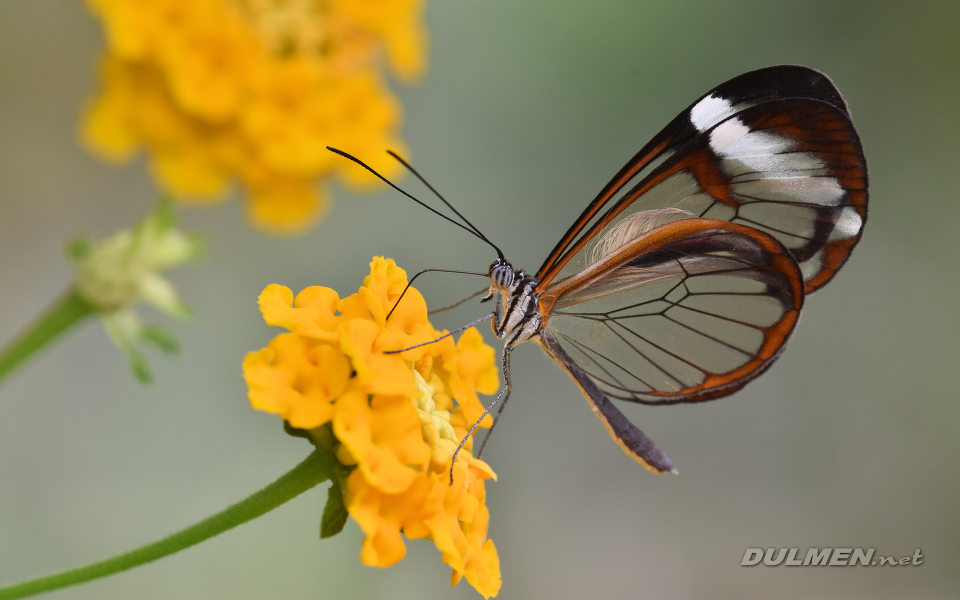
(688, 311)
(773, 149)
(749, 89)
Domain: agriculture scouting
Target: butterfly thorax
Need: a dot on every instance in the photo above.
(517, 312)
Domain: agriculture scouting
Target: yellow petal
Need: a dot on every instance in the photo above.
(106, 128)
(384, 437)
(406, 50)
(383, 545)
(476, 362)
(296, 379)
(473, 368)
(191, 171)
(209, 67)
(312, 313)
(377, 372)
(285, 206)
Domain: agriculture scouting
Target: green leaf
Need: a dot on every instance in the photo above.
(165, 216)
(199, 246)
(139, 365)
(334, 513)
(161, 337)
(79, 249)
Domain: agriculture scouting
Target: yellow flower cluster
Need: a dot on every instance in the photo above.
(254, 90)
(392, 414)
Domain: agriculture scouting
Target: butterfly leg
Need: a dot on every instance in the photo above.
(434, 311)
(505, 390)
(496, 417)
(446, 335)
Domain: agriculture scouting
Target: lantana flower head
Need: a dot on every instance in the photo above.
(253, 91)
(390, 420)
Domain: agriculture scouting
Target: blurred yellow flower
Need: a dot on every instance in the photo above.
(394, 423)
(253, 91)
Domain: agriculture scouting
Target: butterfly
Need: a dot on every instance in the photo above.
(684, 278)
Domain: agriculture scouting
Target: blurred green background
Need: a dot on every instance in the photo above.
(850, 440)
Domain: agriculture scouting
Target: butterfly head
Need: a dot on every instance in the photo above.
(502, 277)
(501, 274)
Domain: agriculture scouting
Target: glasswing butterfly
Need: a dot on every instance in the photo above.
(684, 278)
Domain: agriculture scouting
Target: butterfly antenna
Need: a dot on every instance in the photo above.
(444, 200)
(391, 184)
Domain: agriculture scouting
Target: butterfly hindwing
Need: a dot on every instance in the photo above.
(689, 311)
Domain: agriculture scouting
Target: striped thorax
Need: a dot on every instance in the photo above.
(517, 312)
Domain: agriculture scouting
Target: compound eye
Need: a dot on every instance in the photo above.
(502, 277)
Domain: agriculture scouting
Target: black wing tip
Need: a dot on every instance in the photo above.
(789, 81)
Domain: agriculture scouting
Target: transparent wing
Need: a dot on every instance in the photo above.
(689, 311)
(773, 149)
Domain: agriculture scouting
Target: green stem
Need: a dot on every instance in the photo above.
(58, 318)
(309, 473)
